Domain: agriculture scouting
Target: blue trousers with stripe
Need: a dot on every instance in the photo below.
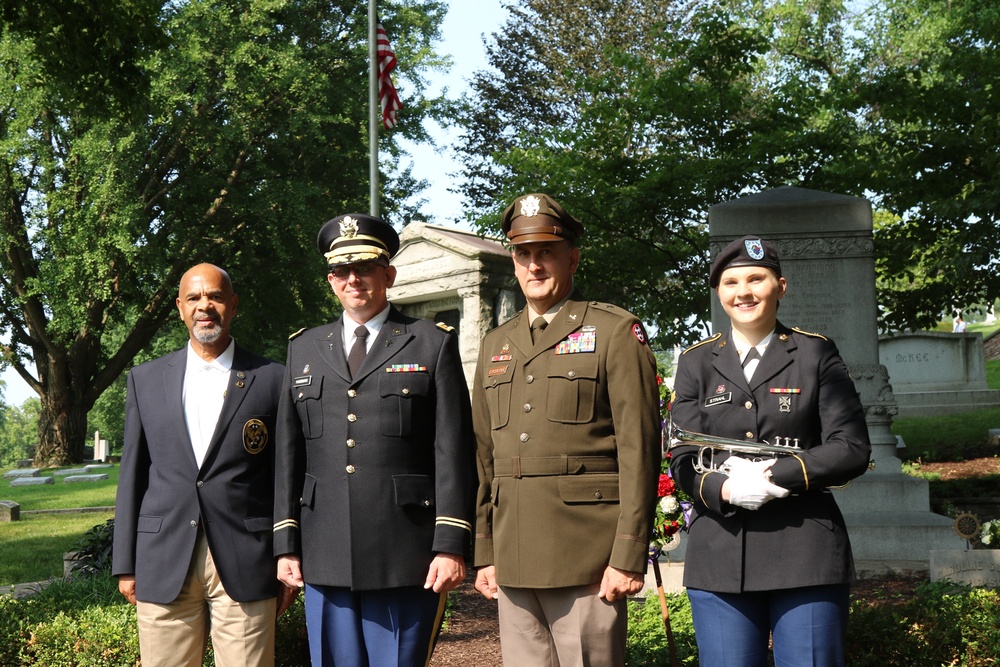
(394, 627)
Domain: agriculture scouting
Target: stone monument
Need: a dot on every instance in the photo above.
(937, 373)
(826, 247)
(458, 278)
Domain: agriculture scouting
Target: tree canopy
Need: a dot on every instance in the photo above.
(229, 136)
(641, 114)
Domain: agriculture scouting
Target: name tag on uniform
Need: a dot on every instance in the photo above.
(496, 370)
(303, 381)
(718, 399)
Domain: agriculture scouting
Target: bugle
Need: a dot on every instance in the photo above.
(708, 445)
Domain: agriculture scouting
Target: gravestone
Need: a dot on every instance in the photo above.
(937, 373)
(980, 567)
(826, 247)
(85, 478)
(9, 511)
(32, 481)
(22, 472)
(69, 471)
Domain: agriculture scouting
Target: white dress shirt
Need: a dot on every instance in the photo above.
(752, 364)
(205, 384)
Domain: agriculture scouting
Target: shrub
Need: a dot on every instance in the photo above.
(940, 624)
(85, 622)
(647, 643)
(92, 637)
(93, 551)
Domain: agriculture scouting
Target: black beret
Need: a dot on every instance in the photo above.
(746, 251)
(356, 237)
(538, 217)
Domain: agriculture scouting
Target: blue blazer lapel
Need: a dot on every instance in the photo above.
(173, 389)
(240, 379)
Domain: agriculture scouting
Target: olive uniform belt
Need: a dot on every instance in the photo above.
(547, 466)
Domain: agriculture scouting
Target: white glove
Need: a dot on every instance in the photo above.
(748, 487)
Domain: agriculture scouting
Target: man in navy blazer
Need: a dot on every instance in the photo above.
(192, 543)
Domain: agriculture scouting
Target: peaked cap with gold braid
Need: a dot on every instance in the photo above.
(356, 237)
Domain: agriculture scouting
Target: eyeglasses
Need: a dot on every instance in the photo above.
(344, 272)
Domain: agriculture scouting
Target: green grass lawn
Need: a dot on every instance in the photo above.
(62, 495)
(32, 549)
(948, 437)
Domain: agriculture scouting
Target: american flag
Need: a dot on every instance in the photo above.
(388, 97)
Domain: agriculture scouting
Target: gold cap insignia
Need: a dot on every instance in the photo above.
(254, 436)
(348, 227)
(530, 206)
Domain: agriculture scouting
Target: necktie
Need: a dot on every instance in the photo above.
(358, 352)
(751, 355)
(537, 326)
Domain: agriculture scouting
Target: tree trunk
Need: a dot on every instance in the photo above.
(62, 432)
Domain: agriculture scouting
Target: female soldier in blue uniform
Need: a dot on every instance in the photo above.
(768, 552)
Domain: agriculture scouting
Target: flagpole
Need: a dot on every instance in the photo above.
(374, 109)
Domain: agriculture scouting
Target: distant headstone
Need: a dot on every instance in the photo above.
(97, 466)
(32, 481)
(86, 478)
(9, 511)
(22, 472)
(70, 471)
(25, 463)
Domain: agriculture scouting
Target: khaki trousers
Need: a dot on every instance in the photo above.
(176, 634)
(561, 627)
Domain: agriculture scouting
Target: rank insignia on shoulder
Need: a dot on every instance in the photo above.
(445, 327)
(700, 343)
(297, 334)
(809, 333)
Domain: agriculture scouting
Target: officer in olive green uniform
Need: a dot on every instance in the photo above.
(565, 409)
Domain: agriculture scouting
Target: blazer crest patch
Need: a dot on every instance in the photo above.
(254, 436)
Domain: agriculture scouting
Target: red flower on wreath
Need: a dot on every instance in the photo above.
(665, 486)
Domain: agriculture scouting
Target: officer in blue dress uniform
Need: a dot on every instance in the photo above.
(375, 472)
(768, 552)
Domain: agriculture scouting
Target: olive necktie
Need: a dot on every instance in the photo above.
(537, 327)
(358, 352)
